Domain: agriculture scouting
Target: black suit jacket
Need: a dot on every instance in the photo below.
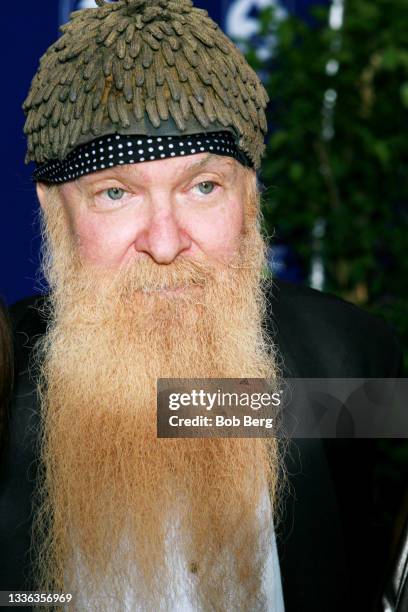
(323, 539)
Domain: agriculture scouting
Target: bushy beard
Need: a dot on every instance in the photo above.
(120, 511)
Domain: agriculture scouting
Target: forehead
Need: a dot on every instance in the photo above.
(169, 169)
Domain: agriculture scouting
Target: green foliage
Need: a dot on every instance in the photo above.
(339, 149)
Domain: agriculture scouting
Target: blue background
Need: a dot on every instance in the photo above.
(27, 32)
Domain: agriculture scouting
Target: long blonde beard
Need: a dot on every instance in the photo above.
(117, 506)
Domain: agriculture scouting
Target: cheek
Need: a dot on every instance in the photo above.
(219, 233)
(104, 240)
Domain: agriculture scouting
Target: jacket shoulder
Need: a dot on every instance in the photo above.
(324, 336)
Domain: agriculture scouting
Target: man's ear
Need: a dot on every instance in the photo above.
(42, 193)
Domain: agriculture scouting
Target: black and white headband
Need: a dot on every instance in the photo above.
(117, 149)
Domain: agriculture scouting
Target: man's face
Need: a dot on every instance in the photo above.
(141, 232)
(190, 206)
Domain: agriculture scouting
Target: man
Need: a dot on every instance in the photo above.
(147, 127)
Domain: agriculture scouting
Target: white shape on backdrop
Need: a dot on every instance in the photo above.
(86, 4)
(67, 6)
(239, 22)
(242, 24)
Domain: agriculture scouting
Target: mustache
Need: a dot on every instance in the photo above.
(147, 275)
(144, 275)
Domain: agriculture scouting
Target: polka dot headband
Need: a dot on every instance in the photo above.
(116, 149)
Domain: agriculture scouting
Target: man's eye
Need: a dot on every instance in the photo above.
(115, 193)
(206, 187)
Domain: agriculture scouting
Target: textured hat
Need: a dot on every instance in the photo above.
(148, 67)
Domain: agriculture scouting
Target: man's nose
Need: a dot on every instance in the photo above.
(163, 237)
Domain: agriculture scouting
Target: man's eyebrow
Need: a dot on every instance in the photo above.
(205, 161)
